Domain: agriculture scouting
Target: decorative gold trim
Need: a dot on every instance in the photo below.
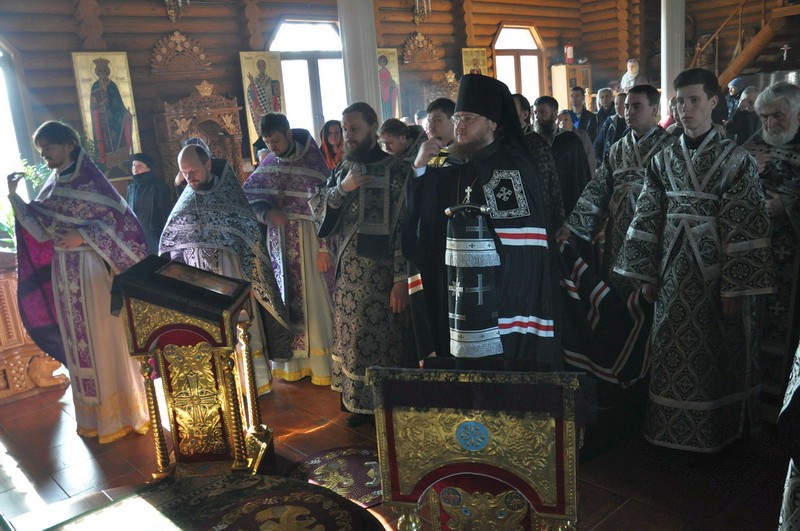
(148, 318)
(470, 510)
(159, 440)
(531, 458)
(433, 504)
(205, 89)
(252, 414)
(425, 440)
(194, 399)
(235, 414)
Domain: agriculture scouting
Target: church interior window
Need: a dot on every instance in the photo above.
(313, 72)
(519, 60)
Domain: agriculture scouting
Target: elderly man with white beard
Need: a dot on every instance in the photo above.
(777, 149)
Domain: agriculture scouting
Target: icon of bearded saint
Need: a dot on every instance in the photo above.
(263, 93)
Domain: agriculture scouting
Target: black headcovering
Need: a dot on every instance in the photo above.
(144, 157)
(491, 98)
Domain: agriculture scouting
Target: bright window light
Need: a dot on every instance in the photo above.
(9, 150)
(529, 66)
(334, 95)
(306, 37)
(515, 39)
(505, 72)
(298, 94)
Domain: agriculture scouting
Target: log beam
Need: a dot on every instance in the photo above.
(90, 28)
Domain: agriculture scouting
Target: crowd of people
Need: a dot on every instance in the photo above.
(503, 235)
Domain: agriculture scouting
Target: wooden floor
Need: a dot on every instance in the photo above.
(631, 487)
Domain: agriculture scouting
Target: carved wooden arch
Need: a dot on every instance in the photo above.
(419, 49)
(178, 53)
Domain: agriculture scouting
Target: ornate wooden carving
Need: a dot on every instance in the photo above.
(24, 369)
(175, 8)
(447, 87)
(90, 28)
(178, 53)
(252, 25)
(419, 49)
(205, 115)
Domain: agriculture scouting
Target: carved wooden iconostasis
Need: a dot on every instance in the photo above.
(205, 115)
(447, 87)
(202, 114)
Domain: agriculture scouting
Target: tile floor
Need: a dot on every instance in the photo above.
(631, 487)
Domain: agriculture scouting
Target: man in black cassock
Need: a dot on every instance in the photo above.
(149, 197)
(573, 168)
(362, 205)
(490, 165)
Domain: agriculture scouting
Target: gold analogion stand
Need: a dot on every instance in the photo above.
(190, 327)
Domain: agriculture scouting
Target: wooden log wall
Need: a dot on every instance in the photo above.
(444, 26)
(708, 16)
(555, 22)
(703, 19)
(45, 33)
(612, 32)
(649, 56)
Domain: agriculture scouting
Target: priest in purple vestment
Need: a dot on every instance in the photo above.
(72, 239)
(279, 191)
(213, 228)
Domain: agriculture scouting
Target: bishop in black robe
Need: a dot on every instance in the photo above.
(506, 178)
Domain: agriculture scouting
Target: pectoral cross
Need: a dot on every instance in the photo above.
(785, 48)
(467, 192)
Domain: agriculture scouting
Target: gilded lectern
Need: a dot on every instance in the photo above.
(489, 450)
(190, 326)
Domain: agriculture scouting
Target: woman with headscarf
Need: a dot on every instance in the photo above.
(331, 143)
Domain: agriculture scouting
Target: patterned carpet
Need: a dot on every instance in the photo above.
(350, 472)
(230, 502)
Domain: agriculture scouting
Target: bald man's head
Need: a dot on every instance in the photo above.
(195, 167)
